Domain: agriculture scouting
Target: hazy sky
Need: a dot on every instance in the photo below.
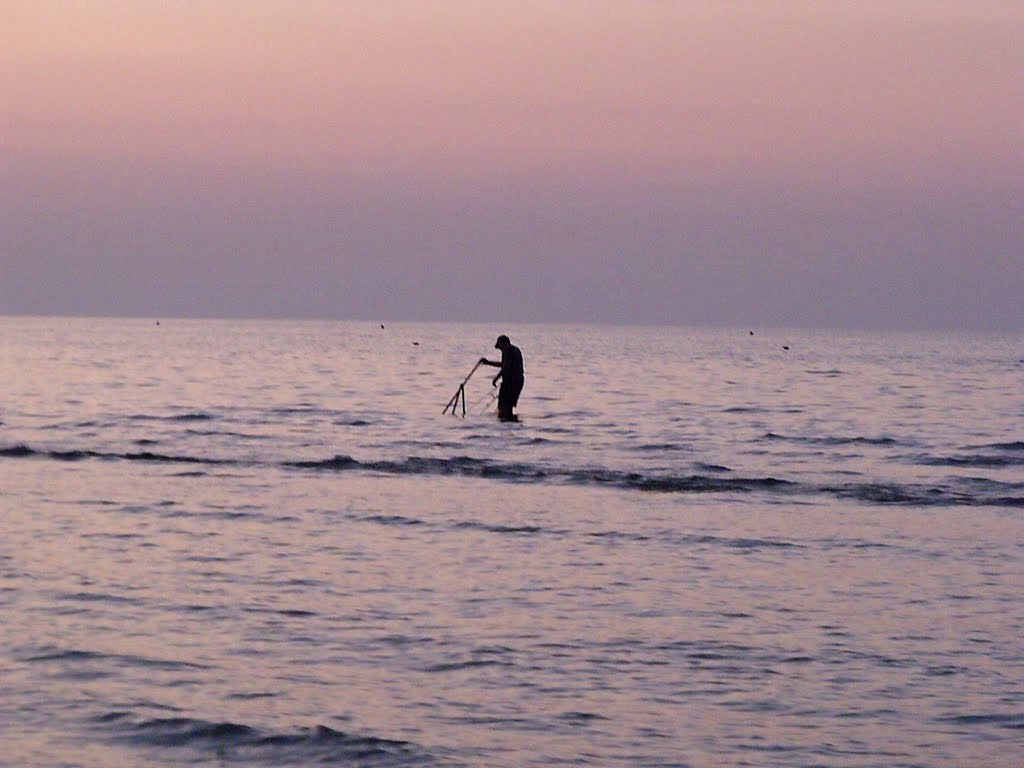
(755, 162)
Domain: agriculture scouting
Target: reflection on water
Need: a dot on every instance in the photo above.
(262, 544)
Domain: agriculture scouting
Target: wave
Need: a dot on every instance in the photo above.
(150, 456)
(196, 416)
(1014, 721)
(741, 543)
(467, 466)
(978, 460)
(339, 461)
(700, 465)
(701, 484)
(17, 451)
(580, 717)
(458, 666)
(221, 433)
(400, 520)
(661, 447)
(77, 658)
(978, 494)
(885, 493)
(1014, 446)
(707, 479)
(24, 451)
(832, 440)
(227, 741)
(1014, 502)
(491, 528)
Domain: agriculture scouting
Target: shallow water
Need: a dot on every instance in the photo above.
(261, 543)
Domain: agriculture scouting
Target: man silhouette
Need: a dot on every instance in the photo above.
(511, 375)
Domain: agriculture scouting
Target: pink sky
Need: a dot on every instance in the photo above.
(683, 147)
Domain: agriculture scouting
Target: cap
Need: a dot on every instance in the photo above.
(502, 341)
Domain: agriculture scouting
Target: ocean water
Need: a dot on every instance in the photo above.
(261, 543)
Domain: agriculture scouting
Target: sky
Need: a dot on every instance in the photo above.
(797, 163)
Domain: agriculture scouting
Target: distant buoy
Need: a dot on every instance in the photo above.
(382, 325)
(751, 333)
(785, 347)
(415, 343)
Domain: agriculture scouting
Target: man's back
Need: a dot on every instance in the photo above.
(512, 363)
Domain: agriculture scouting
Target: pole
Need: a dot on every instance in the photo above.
(460, 392)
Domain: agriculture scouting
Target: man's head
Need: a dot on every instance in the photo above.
(502, 342)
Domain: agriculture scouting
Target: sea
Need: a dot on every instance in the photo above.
(262, 543)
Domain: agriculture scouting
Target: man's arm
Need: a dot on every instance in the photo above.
(485, 361)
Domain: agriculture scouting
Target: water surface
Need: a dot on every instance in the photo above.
(261, 543)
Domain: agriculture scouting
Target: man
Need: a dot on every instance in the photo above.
(511, 375)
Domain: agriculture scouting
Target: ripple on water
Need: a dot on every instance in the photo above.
(232, 742)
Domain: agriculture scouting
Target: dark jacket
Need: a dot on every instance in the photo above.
(511, 364)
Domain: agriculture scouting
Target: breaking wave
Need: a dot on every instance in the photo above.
(517, 472)
(707, 479)
(239, 743)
